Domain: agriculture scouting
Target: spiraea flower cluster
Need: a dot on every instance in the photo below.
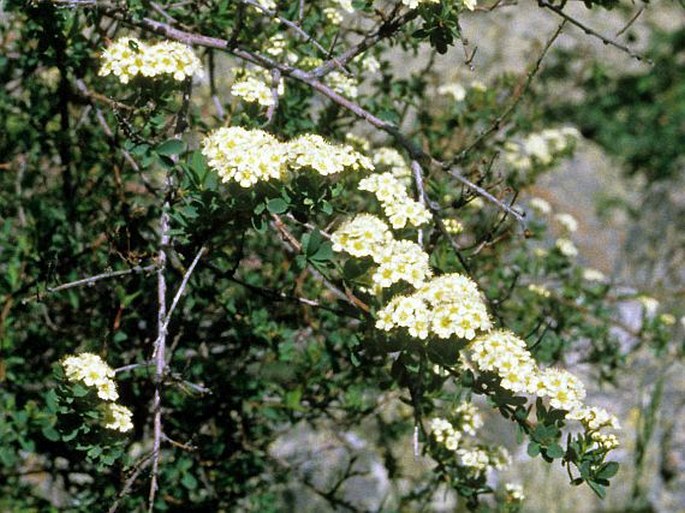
(256, 87)
(128, 57)
(395, 201)
(413, 4)
(92, 371)
(453, 226)
(470, 419)
(443, 432)
(479, 459)
(314, 152)
(245, 156)
(446, 306)
(450, 434)
(116, 417)
(392, 160)
(398, 260)
(504, 354)
(539, 148)
(251, 156)
(514, 492)
(453, 89)
(596, 421)
(361, 236)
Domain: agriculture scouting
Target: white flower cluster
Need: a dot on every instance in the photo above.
(453, 226)
(358, 142)
(446, 306)
(361, 236)
(254, 87)
(368, 236)
(595, 421)
(244, 156)
(476, 459)
(540, 290)
(413, 4)
(568, 225)
(514, 492)
(392, 160)
(479, 459)
(506, 355)
(470, 420)
(453, 89)
(590, 274)
(343, 84)
(567, 222)
(539, 148)
(90, 369)
(313, 151)
(128, 57)
(117, 417)
(541, 206)
(649, 304)
(267, 4)
(250, 156)
(93, 372)
(395, 201)
(401, 260)
(566, 247)
(445, 433)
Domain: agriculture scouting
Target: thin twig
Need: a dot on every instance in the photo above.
(630, 22)
(518, 96)
(90, 281)
(159, 355)
(606, 40)
(271, 111)
(308, 38)
(133, 366)
(485, 194)
(182, 286)
(420, 192)
(129, 482)
(294, 244)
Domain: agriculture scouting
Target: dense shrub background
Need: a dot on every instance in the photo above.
(273, 332)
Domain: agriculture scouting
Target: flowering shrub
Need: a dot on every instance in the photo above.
(267, 224)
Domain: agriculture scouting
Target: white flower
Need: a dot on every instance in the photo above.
(566, 247)
(457, 91)
(540, 205)
(567, 221)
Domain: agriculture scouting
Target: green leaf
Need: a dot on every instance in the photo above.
(608, 470)
(313, 243)
(293, 398)
(170, 147)
(79, 390)
(277, 205)
(324, 253)
(94, 452)
(354, 268)
(533, 449)
(189, 481)
(555, 451)
(51, 400)
(50, 433)
(598, 489)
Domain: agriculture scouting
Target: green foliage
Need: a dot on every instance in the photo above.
(637, 117)
(273, 331)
